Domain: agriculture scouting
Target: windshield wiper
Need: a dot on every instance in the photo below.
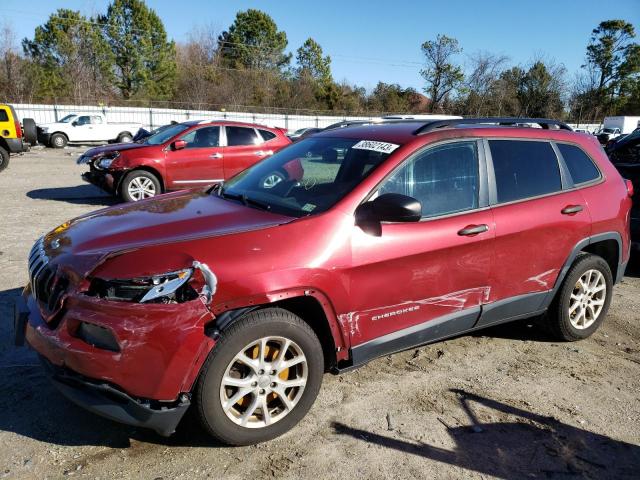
(246, 201)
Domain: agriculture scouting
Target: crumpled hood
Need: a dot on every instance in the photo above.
(114, 147)
(164, 219)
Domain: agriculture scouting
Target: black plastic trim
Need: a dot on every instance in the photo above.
(109, 402)
(513, 308)
(421, 334)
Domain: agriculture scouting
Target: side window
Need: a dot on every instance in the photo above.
(267, 135)
(444, 179)
(237, 136)
(84, 120)
(96, 119)
(524, 169)
(205, 137)
(580, 166)
(4, 117)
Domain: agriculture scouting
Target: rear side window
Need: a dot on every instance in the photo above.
(241, 136)
(267, 135)
(524, 169)
(4, 117)
(580, 166)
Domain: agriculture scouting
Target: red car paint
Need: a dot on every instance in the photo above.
(366, 286)
(180, 168)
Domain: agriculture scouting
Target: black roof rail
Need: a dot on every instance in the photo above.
(545, 123)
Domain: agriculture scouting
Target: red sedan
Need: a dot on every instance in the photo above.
(180, 156)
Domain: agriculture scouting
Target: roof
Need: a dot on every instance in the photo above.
(191, 123)
(406, 130)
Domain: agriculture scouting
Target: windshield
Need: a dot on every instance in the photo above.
(163, 135)
(68, 118)
(307, 177)
(607, 130)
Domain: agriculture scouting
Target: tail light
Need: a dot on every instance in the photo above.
(629, 185)
(18, 129)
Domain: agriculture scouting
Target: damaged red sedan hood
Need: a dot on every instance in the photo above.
(164, 219)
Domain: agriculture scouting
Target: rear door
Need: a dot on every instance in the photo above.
(199, 163)
(244, 147)
(432, 275)
(7, 126)
(539, 219)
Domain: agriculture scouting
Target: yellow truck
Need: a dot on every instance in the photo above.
(14, 137)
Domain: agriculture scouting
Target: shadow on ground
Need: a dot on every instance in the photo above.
(521, 444)
(80, 194)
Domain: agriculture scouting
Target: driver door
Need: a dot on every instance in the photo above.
(82, 129)
(420, 281)
(200, 162)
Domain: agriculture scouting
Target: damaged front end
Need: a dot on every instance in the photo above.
(173, 287)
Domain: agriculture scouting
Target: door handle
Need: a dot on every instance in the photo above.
(471, 230)
(215, 155)
(263, 152)
(571, 209)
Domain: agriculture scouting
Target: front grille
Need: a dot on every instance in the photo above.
(46, 286)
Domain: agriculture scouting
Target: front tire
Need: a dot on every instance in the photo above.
(125, 137)
(4, 159)
(58, 140)
(139, 185)
(583, 300)
(260, 379)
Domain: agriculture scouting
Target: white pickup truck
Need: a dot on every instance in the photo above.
(85, 128)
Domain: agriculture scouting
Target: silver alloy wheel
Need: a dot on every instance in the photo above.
(272, 180)
(141, 187)
(264, 382)
(587, 299)
(126, 139)
(58, 141)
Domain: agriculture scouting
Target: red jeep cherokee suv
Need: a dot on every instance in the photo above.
(180, 156)
(345, 246)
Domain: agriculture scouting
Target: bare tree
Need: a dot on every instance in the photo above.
(442, 75)
(481, 84)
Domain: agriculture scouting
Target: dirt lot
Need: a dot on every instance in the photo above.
(505, 403)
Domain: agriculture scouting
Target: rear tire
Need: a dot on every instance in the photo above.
(238, 417)
(29, 131)
(139, 185)
(581, 305)
(58, 140)
(4, 159)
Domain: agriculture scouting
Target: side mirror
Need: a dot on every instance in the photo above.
(390, 207)
(178, 145)
(74, 124)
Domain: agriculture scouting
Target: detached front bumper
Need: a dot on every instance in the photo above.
(104, 179)
(133, 363)
(109, 402)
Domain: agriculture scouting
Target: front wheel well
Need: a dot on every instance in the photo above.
(609, 250)
(146, 169)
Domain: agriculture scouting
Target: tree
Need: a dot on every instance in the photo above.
(70, 56)
(253, 41)
(392, 98)
(310, 61)
(540, 90)
(481, 85)
(16, 82)
(145, 61)
(440, 73)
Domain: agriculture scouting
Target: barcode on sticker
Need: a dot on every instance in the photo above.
(381, 147)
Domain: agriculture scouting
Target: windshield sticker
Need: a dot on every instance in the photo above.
(381, 147)
(308, 207)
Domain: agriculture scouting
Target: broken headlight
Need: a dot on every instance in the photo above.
(104, 161)
(172, 287)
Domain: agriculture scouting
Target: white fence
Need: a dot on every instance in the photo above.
(155, 117)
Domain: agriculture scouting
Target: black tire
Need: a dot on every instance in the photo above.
(125, 192)
(4, 159)
(254, 326)
(125, 137)
(58, 140)
(29, 131)
(558, 318)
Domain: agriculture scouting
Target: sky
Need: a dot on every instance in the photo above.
(376, 40)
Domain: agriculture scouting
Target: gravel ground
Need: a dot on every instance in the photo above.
(505, 403)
